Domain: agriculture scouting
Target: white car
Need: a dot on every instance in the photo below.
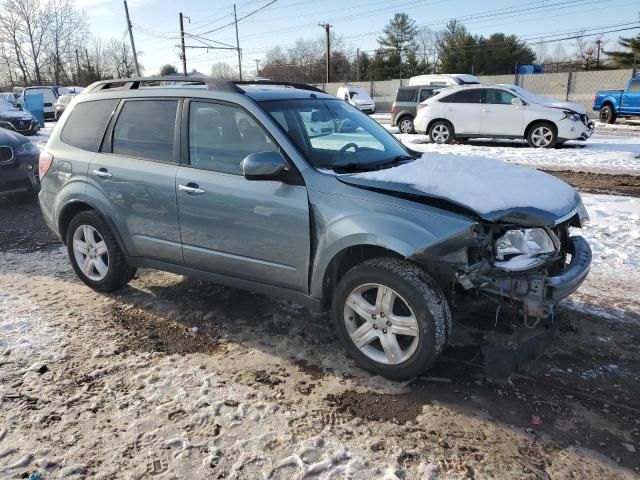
(358, 97)
(501, 111)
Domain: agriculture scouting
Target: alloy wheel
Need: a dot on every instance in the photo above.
(542, 136)
(381, 324)
(406, 126)
(440, 133)
(90, 252)
(604, 115)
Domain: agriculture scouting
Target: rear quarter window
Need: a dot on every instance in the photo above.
(87, 123)
(406, 95)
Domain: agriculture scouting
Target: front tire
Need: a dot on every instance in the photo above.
(607, 115)
(95, 254)
(391, 317)
(542, 135)
(441, 132)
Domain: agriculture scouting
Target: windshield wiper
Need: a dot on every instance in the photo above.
(394, 161)
(353, 167)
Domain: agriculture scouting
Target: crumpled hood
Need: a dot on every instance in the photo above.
(574, 107)
(11, 115)
(492, 190)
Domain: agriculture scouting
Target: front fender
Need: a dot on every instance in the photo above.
(409, 235)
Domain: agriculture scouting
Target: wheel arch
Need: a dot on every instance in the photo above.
(440, 119)
(67, 213)
(348, 258)
(532, 123)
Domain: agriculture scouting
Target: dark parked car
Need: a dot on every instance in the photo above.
(19, 174)
(13, 119)
(405, 108)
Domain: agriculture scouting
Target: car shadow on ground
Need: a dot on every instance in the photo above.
(567, 383)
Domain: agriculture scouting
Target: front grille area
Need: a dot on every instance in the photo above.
(6, 155)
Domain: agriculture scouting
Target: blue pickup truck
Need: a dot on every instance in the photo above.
(618, 103)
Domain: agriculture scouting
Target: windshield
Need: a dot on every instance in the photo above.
(333, 134)
(7, 107)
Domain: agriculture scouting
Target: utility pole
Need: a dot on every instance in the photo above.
(257, 67)
(357, 64)
(599, 43)
(235, 17)
(184, 55)
(327, 29)
(133, 45)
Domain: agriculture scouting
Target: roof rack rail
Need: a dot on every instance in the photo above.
(135, 83)
(211, 83)
(299, 86)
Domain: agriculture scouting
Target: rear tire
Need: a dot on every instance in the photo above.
(542, 135)
(405, 125)
(95, 254)
(607, 115)
(442, 132)
(392, 318)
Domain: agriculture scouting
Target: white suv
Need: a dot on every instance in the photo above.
(501, 111)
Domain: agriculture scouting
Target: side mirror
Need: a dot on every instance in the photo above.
(263, 166)
(517, 101)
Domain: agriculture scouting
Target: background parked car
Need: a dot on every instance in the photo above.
(406, 104)
(62, 103)
(50, 98)
(13, 119)
(618, 103)
(18, 166)
(10, 97)
(444, 79)
(358, 97)
(497, 111)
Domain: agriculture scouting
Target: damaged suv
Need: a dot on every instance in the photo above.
(284, 190)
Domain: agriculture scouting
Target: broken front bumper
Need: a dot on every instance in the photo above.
(539, 293)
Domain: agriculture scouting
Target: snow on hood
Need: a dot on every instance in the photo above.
(547, 102)
(15, 115)
(491, 188)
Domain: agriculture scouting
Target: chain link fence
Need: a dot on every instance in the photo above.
(578, 87)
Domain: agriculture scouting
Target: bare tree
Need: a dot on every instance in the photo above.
(586, 50)
(223, 71)
(66, 31)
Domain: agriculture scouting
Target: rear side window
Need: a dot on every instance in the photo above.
(448, 99)
(145, 129)
(424, 94)
(469, 96)
(86, 124)
(406, 95)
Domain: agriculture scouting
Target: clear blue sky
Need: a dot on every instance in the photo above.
(358, 22)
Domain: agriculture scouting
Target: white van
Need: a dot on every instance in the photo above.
(49, 96)
(441, 80)
(358, 97)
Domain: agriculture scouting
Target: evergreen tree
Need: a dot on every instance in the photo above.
(631, 58)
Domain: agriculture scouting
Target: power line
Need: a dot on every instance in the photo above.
(239, 19)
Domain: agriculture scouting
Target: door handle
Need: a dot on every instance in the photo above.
(191, 188)
(102, 172)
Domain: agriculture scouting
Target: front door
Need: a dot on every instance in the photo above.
(465, 112)
(135, 173)
(499, 116)
(252, 230)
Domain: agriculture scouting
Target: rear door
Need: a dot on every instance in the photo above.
(134, 174)
(499, 116)
(465, 112)
(251, 230)
(630, 99)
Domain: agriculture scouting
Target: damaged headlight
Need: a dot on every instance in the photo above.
(527, 241)
(574, 117)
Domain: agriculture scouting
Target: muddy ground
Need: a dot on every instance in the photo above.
(279, 397)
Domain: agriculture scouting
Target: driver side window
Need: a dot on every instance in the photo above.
(220, 136)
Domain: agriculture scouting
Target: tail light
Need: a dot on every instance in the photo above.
(421, 106)
(394, 109)
(46, 159)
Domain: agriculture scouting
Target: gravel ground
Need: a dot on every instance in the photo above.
(176, 378)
